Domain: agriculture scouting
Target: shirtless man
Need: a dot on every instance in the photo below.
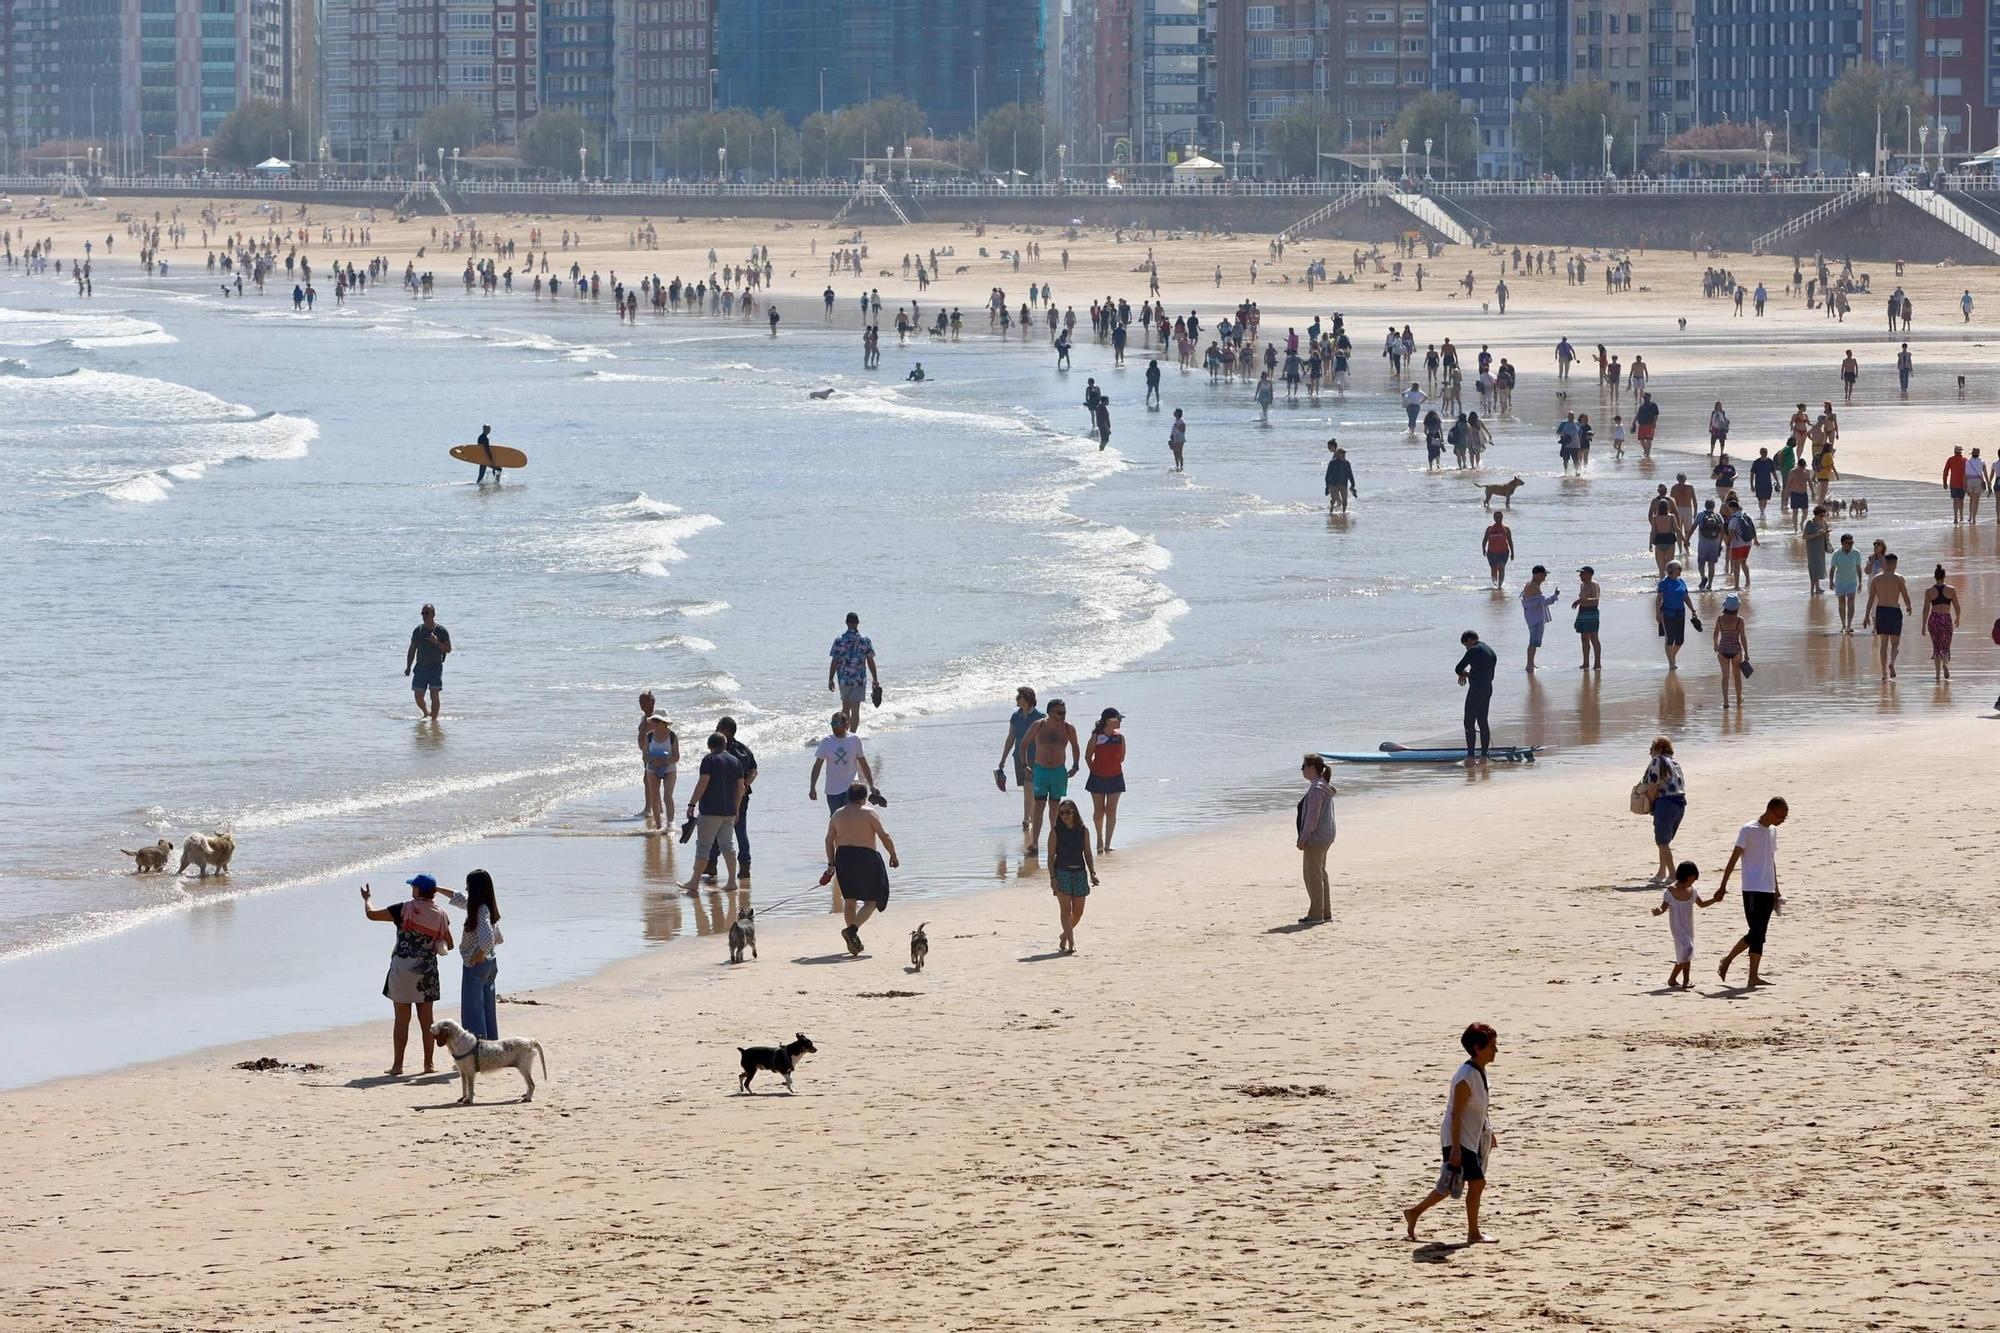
(1685, 500)
(851, 835)
(1046, 743)
(1888, 600)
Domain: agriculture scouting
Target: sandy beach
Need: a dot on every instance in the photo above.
(1205, 1116)
(1209, 1115)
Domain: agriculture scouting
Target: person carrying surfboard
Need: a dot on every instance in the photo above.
(486, 447)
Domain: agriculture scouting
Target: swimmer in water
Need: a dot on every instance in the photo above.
(486, 443)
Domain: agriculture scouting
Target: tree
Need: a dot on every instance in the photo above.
(694, 147)
(1720, 135)
(833, 141)
(1863, 97)
(1564, 131)
(1010, 137)
(450, 125)
(549, 141)
(1294, 140)
(1440, 118)
(257, 131)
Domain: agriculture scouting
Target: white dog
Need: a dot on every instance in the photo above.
(474, 1055)
(207, 851)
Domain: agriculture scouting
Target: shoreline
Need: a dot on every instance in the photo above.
(1137, 1104)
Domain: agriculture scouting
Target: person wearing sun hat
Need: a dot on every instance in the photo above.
(423, 932)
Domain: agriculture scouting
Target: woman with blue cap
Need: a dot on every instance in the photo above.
(423, 932)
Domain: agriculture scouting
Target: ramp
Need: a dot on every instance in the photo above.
(1427, 211)
(1949, 213)
(1339, 201)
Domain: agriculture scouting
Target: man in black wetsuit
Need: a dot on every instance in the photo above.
(1475, 672)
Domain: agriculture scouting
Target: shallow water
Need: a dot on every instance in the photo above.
(221, 519)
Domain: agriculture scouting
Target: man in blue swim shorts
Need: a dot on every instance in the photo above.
(1049, 743)
(430, 643)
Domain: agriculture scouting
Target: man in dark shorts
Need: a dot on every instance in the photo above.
(1475, 672)
(430, 644)
(851, 835)
(1756, 851)
(1466, 1135)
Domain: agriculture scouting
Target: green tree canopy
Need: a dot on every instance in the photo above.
(1563, 131)
(1011, 137)
(258, 130)
(549, 141)
(459, 125)
(1295, 139)
(1440, 118)
(1861, 95)
(832, 141)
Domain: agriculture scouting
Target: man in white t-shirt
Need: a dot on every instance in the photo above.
(1756, 851)
(841, 756)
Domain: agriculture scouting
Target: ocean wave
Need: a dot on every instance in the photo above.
(78, 329)
(642, 505)
(542, 342)
(638, 536)
(627, 377)
(877, 401)
(693, 643)
(273, 438)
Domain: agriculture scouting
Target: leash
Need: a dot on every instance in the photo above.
(794, 898)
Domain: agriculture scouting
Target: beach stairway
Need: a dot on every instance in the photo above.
(1429, 212)
(871, 192)
(1340, 200)
(1944, 210)
(1840, 203)
(420, 194)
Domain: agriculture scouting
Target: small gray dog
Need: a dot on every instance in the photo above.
(151, 860)
(475, 1055)
(743, 935)
(920, 947)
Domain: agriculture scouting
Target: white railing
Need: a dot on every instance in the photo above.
(1429, 212)
(1864, 188)
(1952, 216)
(1325, 191)
(1328, 209)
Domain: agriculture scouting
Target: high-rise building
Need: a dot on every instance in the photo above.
(1172, 90)
(1110, 79)
(1760, 61)
(663, 52)
(386, 62)
(578, 59)
(62, 77)
(1383, 57)
(1643, 51)
(1269, 59)
(1488, 56)
(956, 59)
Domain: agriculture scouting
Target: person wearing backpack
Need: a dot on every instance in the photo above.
(1708, 531)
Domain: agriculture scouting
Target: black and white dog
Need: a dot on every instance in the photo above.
(779, 1060)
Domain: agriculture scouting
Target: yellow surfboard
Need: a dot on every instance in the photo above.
(489, 455)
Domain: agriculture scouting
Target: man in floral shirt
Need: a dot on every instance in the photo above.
(853, 666)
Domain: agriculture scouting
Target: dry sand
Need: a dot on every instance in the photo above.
(1017, 1140)
(1027, 1141)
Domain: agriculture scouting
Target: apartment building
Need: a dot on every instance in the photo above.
(1171, 93)
(384, 63)
(1269, 60)
(579, 58)
(663, 52)
(1761, 60)
(1383, 59)
(1488, 55)
(60, 74)
(1643, 51)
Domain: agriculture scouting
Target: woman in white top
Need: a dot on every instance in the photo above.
(1466, 1135)
(1976, 471)
(478, 990)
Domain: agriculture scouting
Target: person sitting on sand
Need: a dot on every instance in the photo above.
(1466, 1135)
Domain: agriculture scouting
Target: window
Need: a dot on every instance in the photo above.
(1953, 46)
(1261, 18)
(1947, 9)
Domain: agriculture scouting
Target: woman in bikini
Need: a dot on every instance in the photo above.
(1732, 648)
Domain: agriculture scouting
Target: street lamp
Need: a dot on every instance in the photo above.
(1788, 139)
(454, 164)
(582, 163)
(721, 164)
(1767, 152)
(1236, 151)
(1403, 166)
(1607, 154)
(440, 165)
(1924, 144)
(1427, 159)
